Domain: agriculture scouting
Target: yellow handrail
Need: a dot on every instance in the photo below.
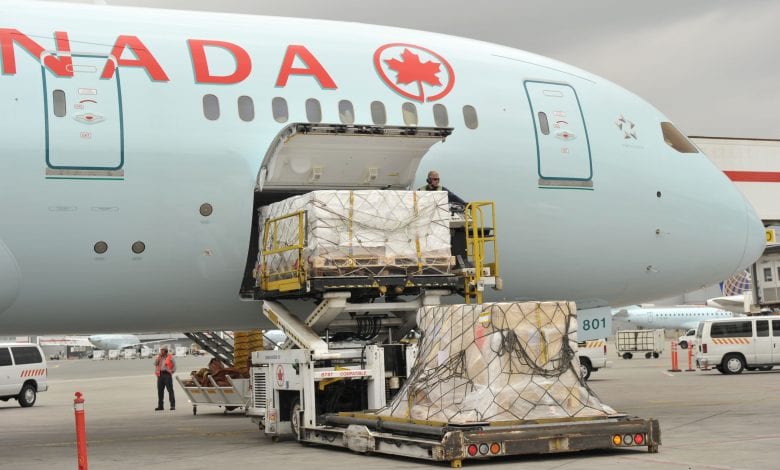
(477, 221)
(290, 279)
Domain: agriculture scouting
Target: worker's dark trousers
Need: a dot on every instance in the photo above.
(165, 380)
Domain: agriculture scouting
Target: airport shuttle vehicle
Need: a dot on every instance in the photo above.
(733, 345)
(673, 318)
(137, 145)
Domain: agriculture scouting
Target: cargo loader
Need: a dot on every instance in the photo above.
(382, 364)
(318, 392)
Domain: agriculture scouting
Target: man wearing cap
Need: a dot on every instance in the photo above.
(164, 367)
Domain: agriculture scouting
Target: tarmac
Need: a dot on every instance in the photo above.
(708, 421)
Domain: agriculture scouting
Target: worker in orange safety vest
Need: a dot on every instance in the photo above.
(164, 367)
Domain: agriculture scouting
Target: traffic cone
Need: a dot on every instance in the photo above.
(675, 363)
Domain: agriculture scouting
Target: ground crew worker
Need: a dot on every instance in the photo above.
(164, 367)
(434, 184)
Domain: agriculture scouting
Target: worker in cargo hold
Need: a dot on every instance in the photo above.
(434, 184)
(164, 367)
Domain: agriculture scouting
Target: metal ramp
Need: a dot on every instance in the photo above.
(214, 344)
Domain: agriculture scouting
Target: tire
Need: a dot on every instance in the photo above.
(627, 355)
(295, 417)
(585, 369)
(765, 368)
(683, 345)
(27, 396)
(733, 364)
(648, 355)
(656, 355)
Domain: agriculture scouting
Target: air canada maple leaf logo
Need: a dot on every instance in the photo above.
(414, 72)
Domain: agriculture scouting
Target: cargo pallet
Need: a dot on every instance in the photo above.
(455, 444)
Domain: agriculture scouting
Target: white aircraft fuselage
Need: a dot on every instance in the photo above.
(673, 318)
(117, 125)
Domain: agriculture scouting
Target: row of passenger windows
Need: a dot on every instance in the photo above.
(744, 329)
(281, 112)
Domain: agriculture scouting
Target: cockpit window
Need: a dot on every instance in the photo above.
(676, 140)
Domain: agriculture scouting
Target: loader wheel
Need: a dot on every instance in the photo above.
(295, 417)
(648, 355)
(627, 355)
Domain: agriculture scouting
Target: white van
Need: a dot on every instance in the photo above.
(732, 345)
(23, 372)
(592, 355)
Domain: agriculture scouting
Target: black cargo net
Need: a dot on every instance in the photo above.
(497, 362)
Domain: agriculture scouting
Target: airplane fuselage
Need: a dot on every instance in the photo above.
(120, 128)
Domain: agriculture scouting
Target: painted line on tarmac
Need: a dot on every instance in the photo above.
(92, 442)
(100, 379)
(677, 463)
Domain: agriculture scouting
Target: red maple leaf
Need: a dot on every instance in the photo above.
(410, 69)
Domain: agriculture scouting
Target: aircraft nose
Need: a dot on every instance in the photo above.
(755, 237)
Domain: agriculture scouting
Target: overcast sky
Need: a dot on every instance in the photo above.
(712, 66)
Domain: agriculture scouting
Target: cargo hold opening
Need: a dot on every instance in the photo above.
(310, 157)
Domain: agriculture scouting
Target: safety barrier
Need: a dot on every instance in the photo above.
(675, 362)
(690, 360)
(81, 431)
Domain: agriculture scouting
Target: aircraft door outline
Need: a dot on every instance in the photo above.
(84, 121)
(563, 153)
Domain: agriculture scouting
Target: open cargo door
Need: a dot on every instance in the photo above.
(309, 157)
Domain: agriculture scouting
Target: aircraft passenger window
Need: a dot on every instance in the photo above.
(313, 110)
(440, 115)
(676, 140)
(279, 109)
(470, 117)
(246, 108)
(378, 113)
(211, 107)
(346, 112)
(5, 357)
(60, 104)
(544, 125)
(762, 328)
(767, 274)
(409, 110)
(775, 327)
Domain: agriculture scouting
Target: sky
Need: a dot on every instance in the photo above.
(711, 66)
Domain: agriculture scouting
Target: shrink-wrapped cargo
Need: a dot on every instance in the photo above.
(496, 362)
(358, 233)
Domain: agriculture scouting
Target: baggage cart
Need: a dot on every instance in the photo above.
(233, 396)
(631, 342)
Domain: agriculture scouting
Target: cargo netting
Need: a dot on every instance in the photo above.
(360, 233)
(496, 362)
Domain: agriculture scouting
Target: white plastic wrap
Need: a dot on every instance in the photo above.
(497, 362)
(366, 232)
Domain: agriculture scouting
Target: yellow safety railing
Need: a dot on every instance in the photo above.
(294, 277)
(480, 244)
